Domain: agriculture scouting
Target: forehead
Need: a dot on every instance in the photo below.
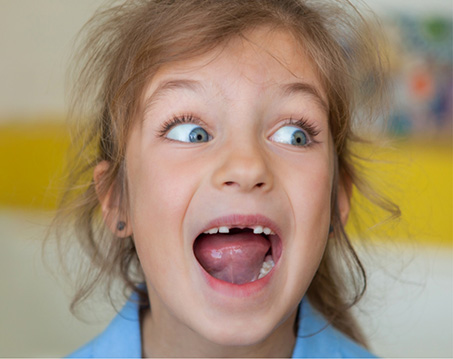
(263, 58)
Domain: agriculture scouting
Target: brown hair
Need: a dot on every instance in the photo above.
(129, 42)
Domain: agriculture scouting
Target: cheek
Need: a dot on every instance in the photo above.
(307, 182)
(160, 192)
(310, 197)
(310, 188)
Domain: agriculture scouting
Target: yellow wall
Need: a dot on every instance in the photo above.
(32, 157)
(416, 174)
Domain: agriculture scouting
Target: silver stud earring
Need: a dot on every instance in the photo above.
(120, 225)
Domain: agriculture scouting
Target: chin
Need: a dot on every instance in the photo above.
(237, 330)
(240, 335)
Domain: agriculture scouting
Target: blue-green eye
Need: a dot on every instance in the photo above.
(188, 132)
(290, 135)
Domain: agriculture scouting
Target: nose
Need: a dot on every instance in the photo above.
(243, 168)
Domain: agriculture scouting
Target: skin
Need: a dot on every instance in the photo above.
(176, 188)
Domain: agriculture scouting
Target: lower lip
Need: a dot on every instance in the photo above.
(237, 290)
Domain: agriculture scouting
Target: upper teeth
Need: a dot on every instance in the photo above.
(224, 229)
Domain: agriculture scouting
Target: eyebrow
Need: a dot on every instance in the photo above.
(170, 85)
(195, 86)
(307, 89)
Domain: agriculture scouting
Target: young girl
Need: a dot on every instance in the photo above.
(217, 173)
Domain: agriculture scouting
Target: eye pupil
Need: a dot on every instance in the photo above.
(299, 138)
(291, 135)
(198, 135)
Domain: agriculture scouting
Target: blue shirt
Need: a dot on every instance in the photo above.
(315, 338)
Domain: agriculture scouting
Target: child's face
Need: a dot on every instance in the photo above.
(251, 147)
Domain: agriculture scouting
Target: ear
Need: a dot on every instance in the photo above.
(111, 211)
(344, 194)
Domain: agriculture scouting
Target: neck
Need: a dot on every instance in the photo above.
(162, 340)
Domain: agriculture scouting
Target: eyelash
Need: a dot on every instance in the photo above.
(177, 120)
(311, 130)
(302, 123)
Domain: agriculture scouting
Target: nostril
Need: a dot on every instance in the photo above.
(232, 183)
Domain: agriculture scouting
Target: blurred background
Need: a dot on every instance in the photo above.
(408, 309)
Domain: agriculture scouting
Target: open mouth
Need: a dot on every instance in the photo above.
(238, 255)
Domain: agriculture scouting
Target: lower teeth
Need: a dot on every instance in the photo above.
(268, 264)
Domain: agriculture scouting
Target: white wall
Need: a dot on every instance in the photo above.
(36, 39)
(425, 7)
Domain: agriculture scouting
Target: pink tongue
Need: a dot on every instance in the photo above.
(235, 258)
